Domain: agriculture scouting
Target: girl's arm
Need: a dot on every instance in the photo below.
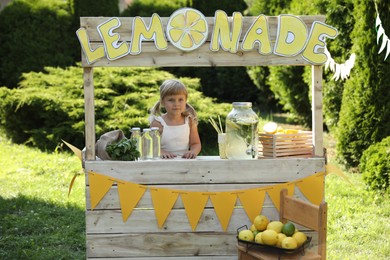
(195, 144)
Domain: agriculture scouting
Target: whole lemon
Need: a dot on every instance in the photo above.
(260, 222)
(289, 243)
(288, 229)
(269, 237)
(246, 235)
(281, 236)
(276, 226)
(300, 237)
(258, 238)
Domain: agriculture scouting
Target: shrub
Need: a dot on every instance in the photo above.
(375, 166)
(34, 34)
(364, 115)
(49, 106)
(145, 8)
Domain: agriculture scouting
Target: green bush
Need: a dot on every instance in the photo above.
(34, 34)
(365, 114)
(375, 166)
(145, 8)
(49, 106)
(94, 8)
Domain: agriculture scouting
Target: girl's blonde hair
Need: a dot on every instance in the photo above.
(173, 87)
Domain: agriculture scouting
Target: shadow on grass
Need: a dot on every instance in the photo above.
(35, 229)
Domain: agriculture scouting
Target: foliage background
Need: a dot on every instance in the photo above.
(354, 109)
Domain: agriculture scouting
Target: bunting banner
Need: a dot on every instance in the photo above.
(252, 200)
(274, 192)
(129, 196)
(381, 33)
(224, 203)
(340, 70)
(314, 192)
(194, 203)
(163, 201)
(99, 185)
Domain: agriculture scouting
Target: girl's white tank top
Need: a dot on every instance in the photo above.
(175, 139)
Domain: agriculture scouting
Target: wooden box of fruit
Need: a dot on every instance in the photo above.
(276, 142)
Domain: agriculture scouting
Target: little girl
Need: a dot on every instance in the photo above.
(179, 125)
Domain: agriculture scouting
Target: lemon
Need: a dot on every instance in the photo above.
(288, 229)
(246, 235)
(280, 237)
(187, 29)
(258, 238)
(270, 128)
(260, 222)
(253, 228)
(300, 237)
(269, 237)
(289, 243)
(290, 131)
(280, 130)
(276, 226)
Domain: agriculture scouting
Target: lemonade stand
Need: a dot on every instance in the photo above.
(191, 209)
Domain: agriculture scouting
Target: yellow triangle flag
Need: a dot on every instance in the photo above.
(74, 149)
(331, 168)
(274, 192)
(194, 203)
(129, 196)
(98, 186)
(252, 201)
(163, 201)
(223, 203)
(313, 187)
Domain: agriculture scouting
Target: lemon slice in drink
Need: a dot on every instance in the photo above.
(187, 29)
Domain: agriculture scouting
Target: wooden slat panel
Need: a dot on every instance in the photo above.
(201, 171)
(167, 244)
(144, 221)
(173, 57)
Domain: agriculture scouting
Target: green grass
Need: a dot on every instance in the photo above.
(39, 221)
(37, 218)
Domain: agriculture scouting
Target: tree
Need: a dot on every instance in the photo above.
(365, 114)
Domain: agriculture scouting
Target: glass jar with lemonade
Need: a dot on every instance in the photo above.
(242, 132)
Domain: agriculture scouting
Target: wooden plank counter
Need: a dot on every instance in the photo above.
(141, 238)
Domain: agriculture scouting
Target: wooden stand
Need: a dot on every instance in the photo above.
(139, 238)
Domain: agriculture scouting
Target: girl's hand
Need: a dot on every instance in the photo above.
(167, 155)
(189, 155)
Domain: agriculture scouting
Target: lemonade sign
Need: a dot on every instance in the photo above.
(187, 30)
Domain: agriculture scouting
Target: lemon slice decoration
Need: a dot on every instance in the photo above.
(187, 29)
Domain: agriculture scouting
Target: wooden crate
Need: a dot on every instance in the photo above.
(286, 145)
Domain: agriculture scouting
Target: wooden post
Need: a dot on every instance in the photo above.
(89, 106)
(317, 120)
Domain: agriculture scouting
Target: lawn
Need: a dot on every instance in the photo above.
(39, 221)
